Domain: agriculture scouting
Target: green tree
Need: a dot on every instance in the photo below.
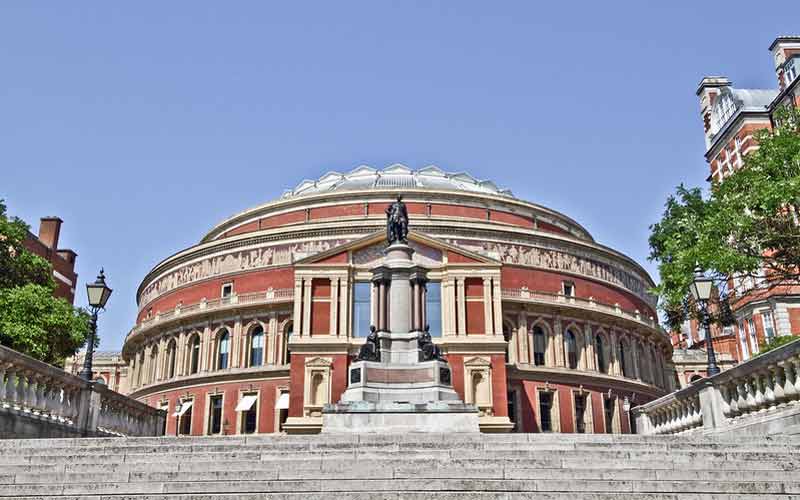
(32, 321)
(747, 227)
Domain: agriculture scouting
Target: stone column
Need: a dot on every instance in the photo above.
(487, 307)
(374, 304)
(635, 357)
(382, 306)
(344, 306)
(298, 305)
(205, 349)
(589, 351)
(447, 307)
(497, 297)
(613, 353)
(523, 354)
(560, 362)
(461, 300)
(271, 340)
(334, 316)
(146, 365)
(307, 305)
(424, 308)
(238, 344)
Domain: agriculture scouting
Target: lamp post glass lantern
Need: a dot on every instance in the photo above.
(701, 291)
(98, 294)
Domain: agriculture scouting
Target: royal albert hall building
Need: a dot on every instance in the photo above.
(252, 329)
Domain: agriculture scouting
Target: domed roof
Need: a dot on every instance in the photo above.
(395, 176)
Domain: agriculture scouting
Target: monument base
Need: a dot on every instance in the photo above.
(365, 417)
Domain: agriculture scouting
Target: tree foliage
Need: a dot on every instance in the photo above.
(32, 321)
(776, 342)
(747, 226)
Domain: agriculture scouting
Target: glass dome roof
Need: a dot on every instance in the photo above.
(395, 176)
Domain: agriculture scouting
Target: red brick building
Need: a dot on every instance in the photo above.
(253, 328)
(730, 117)
(45, 245)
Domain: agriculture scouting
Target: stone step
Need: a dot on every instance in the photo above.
(435, 495)
(334, 487)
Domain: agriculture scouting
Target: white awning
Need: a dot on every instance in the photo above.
(246, 402)
(283, 402)
(183, 409)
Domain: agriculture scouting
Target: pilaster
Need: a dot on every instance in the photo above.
(497, 298)
(307, 285)
(487, 307)
(461, 301)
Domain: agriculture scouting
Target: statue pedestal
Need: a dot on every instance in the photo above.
(399, 393)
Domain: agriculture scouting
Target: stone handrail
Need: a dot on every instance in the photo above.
(764, 384)
(49, 397)
(269, 296)
(561, 299)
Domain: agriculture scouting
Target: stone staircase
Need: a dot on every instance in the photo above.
(407, 467)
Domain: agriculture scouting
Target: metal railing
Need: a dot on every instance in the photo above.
(766, 383)
(46, 396)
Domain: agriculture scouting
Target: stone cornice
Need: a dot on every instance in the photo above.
(579, 377)
(232, 375)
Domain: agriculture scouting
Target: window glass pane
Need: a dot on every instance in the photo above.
(362, 299)
(433, 305)
(257, 347)
(223, 350)
(538, 346)
(215, 426)
(545, 409)
(769, 331)
(580, 414)
(609, 405)
(601, 355)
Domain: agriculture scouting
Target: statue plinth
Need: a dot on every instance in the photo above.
(399, 385)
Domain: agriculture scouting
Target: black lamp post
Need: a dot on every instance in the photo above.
(701, 291)
(98, 293)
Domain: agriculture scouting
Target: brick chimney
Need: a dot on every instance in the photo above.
(49, 230)
(708, 90)
(783, 49)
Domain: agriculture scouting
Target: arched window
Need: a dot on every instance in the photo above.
(257, 347)
(539, 346)
(171, 358)
(222, 349)
(287, 334)
(625, 358)
(194, 353)
(153, 365)
(599, 348)
(572, 350)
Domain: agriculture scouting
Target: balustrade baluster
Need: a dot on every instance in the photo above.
(767, 384)
(789, 375)
(22, 391)
(758, 388)
(777, 389)
(727, 401)
(752, 405)
(2, 384)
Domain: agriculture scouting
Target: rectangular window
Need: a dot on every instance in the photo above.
(362, 299)
(545, 411)
(185, 417)
(743, 341)
(568, 288)
(215, 414)
(511, 402)
(769, 328)
(248, 405)
(227, 290)
(580, 413)
(751, 325)
(609, 409)
(433, 308)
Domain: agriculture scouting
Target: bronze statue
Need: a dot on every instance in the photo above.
(397, 222)
(370, 351)
(427, 349)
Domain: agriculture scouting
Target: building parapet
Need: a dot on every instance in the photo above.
(767, 385)
(526, 295)
(269, 296)
(45, 398)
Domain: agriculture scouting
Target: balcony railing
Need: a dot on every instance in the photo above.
(765, 385)
(44, 396)
(269, 296)
(526, 295)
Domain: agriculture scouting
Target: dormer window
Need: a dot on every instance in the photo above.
(790, 70)
(723, 109)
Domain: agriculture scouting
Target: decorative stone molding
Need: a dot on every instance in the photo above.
(317, 385)
(478, 384)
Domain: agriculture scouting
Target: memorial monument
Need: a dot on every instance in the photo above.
(400, 383)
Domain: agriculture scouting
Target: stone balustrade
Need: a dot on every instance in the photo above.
(761, 395)
(269, 296)
(527, 295)
(37, 399)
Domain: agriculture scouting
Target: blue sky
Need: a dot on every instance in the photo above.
(142, 124)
